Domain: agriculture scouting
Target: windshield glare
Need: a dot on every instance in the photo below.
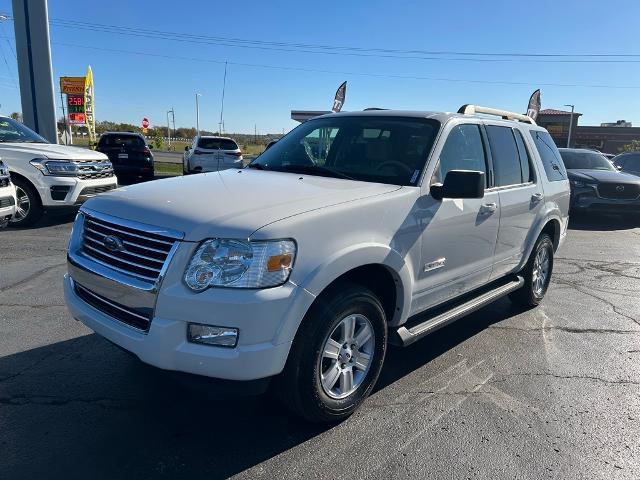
(373, 149)
(15, 132)
(585, 161)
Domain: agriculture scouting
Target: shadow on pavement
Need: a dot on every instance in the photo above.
(603, 222)
(85, 408)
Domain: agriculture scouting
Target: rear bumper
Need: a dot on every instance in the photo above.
(140, 171)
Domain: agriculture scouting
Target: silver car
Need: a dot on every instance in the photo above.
(211, 154)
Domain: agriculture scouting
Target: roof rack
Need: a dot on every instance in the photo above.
(506, 115)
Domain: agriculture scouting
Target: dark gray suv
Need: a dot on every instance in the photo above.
(597, 185)
(628, 162)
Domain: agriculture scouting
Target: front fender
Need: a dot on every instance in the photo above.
(355, 256)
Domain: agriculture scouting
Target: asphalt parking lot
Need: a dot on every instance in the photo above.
(552, 392)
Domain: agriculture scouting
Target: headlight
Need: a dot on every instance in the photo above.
(579, 184)
(62, 168)
(220, 262)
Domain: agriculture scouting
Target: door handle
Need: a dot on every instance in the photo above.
(536, 197)
(488, 208)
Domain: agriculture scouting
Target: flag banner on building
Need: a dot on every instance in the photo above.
(534, 105)
(89, 106)
(339, 100)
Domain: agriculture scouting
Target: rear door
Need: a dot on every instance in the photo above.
(521, 195)
(459, 238)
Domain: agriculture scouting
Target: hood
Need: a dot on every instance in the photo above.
(52, 150)
(231, 203)
(597, 176)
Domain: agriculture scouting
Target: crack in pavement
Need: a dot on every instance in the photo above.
(33, 306)
(32, 276)
(48, 400)
(564, 377)
(564, 329)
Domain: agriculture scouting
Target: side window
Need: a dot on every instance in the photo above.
(525, 160)
(504, 152)
(463, 150)
(551, 160)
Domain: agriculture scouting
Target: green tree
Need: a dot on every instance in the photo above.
(16, 116)
(634, 146)
(158, 141)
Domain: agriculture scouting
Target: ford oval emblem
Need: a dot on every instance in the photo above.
(113, 243)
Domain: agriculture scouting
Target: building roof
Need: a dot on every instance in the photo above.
(551, 111)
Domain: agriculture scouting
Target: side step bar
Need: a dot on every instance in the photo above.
(407, 336)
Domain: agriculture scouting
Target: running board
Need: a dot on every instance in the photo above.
(406, 336)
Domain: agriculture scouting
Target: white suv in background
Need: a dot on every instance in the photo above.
(7, 196)
(355, 230)
(211, 154)
(47, 175)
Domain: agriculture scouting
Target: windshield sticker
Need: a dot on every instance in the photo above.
(415, 176)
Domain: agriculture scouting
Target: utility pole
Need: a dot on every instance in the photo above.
(173, 120)
(255, 133)
(197, 115)
(224, 85)
(169, 129)
(33, 51)
(67, 139)
(570, 125)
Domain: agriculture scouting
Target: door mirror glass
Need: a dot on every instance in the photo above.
(460, 184)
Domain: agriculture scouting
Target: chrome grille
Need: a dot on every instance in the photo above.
(133, 251)
(87, 191)
(619, 191)
(89, 169)
(7, 202)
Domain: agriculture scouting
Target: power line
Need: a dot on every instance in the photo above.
(335, 72)
(351, 51)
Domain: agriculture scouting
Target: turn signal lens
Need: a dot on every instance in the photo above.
(279, 262)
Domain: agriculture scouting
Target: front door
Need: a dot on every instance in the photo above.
(460, 235)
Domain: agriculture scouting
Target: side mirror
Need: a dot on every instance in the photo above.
(460, 184)
(149, 147)
(186, 148)
(618, 167)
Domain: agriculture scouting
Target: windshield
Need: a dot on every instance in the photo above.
(13, 131)
(372, 149)
(585, 160)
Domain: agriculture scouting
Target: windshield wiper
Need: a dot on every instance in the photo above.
(315, 169)
(257, 166)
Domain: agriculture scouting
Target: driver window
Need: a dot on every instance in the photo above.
(463, 150)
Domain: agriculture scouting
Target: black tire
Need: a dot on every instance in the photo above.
(299, 386)
(34, 209)
(528, 295)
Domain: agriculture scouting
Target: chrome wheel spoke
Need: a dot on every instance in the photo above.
(363, 335)
(331, 377)
(348, 329)
(346, 381)
(331, 349)
(362, 361)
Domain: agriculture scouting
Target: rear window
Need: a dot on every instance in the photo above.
(119, 140)
(550, 156)
(217, 143)
(504, 152)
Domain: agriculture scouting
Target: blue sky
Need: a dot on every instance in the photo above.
(130, 86)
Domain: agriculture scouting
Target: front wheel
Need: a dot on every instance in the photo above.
(337, 355)
(28, 206)
(537, 274)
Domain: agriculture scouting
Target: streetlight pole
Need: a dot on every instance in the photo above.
(197, 115)
(169, 129)
(224, 85)
(570, 125)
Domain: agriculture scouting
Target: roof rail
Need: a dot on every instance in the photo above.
(506, 115)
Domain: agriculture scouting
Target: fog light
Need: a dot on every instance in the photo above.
(211, 335)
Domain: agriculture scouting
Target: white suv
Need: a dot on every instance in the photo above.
(50, 176)
(354, 230)
(211, 154)
(7, 196)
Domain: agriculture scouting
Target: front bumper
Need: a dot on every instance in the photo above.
(7, 202)
(165, 344)
(589, 200)
(75, 191)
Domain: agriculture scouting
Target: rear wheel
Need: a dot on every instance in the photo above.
(537, 274)
(28, 205)
(337, 355)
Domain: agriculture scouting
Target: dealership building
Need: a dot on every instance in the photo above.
(607, 138)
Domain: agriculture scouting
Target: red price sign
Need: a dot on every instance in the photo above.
(77, 119)
(145, 122)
